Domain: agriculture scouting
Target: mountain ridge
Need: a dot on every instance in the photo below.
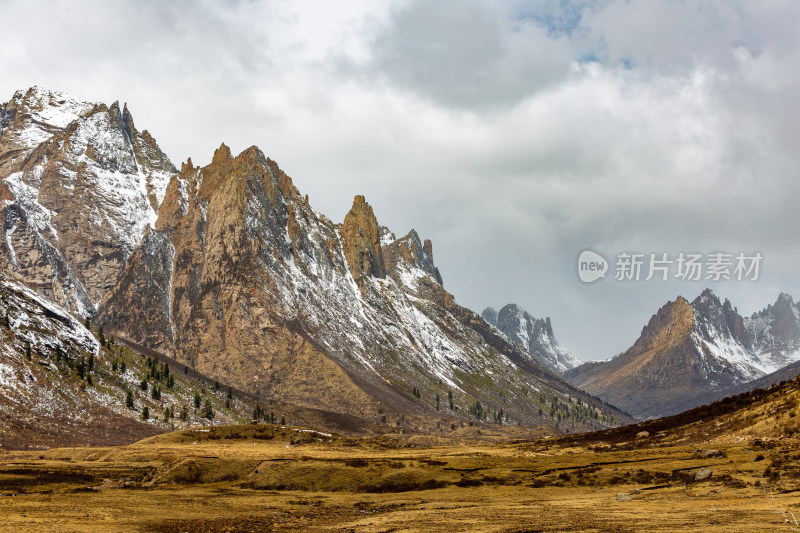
(689, 354)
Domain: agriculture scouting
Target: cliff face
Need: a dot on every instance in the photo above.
(361, 242)
(241, 279)
(80, 184)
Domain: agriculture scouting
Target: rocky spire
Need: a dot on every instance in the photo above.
(361, 242)
(223, 153)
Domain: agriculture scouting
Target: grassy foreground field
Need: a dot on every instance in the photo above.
(268, 478)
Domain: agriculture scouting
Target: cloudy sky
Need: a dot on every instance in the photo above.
(513, 134)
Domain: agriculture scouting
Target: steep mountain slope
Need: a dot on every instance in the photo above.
(768, 413)
(60, 386)
(533, 334)
(80, 184)
(691, 354)
(243, 280)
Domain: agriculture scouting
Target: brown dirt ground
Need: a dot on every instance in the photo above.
(267, 478)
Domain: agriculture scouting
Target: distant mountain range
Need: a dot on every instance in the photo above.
(693, 353)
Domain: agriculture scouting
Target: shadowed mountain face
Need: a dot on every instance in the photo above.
(533, 334)
(80, 184)
(242, 279)
(690, 354)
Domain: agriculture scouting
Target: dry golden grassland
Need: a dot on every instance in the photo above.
(268, 478)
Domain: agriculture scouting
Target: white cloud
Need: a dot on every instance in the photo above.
(513, 133)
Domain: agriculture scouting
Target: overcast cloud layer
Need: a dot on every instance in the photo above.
(513, 134)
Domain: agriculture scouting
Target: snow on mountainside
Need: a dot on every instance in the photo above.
(533, 334)
(691, 354)
(80, 184)
(33, 116)
(775, 332)
(242, 279)
(59, 386)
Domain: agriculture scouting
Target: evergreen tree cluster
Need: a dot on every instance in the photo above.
(160, 372)
(260, 414)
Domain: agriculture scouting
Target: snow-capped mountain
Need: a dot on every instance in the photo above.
(80, 184)
(533, 334)
(242, 279)
(228, 269)
(693, 353)
(774, 332)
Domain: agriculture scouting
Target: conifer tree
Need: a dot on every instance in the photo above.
(208, 411)
(129, 400)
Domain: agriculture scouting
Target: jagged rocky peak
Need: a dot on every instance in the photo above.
(693, 353)
(533, 334)
(490, 315)
(34, 115)
(408, 253)
(775, 331)
(222, 154)
(715, 318)
(672, 319)
(79, 201)
(361, 242)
